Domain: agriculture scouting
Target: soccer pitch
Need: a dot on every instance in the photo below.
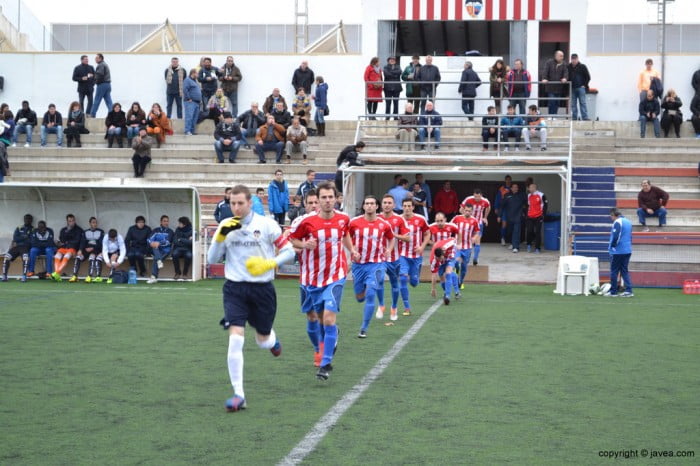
(100, 374)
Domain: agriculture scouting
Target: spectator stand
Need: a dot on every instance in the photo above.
(113, 206)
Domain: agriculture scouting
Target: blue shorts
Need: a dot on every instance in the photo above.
(481, 229)
(393, 269)
(325, 298)
(369, 275)
(443, 267)
(464, 254)
(410, 267)
(255, 303)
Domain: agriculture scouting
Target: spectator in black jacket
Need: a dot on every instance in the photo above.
(251, 121)
(649, 112)
(579, 77)
(489, 128)
(84, 75)
(174, 77)
(695, 114)
(68, 246)
(392, 87)
(695, 82)
(21, 242)
(431, 75)
(223, 208)
(116, 126)
(182, 248)
(75, 125)
(25, 121)
(52, 123)
(468, 83)
(672, 113)
(348, 157)
(303, 77)
(228, 138)
(554, 75)
(281, 115)
(42, 242)
(209, 77)
(137, 244)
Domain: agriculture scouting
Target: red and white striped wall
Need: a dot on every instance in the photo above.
(459, 10)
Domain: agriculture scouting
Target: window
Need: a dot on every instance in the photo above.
(642, 38)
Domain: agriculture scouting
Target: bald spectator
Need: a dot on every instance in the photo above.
(272, 99)
(652, 202)
(430, 75)
(303, 77)
(555, 74)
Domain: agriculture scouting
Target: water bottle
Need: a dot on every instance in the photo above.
(132, 277)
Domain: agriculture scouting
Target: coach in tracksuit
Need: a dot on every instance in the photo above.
(536, 210)
(620, 249)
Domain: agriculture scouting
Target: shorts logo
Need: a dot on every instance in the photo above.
(256, 233)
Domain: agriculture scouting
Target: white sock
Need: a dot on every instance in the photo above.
(235, 363)
(269, 343)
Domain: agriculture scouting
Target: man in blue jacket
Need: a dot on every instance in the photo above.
(192, 95)
(430, 122)
(278, 197)
(161, 242)
(42, 242)
(620, 249)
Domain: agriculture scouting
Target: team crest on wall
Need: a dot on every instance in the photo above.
(473, 8)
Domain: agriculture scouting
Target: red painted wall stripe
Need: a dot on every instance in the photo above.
(488, 16)
(531, 9)
(402, 10)
(516, 10)
(459, 7)
(503, 10)
(430, 14)
(416, 9)
(445, 12)
(545, 9)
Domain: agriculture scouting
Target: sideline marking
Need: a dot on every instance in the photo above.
(316, 434)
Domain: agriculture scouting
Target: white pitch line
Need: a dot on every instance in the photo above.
(326, 423)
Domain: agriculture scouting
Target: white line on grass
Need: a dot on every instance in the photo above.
(326, 423)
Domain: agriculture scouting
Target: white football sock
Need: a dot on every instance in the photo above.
(235, 363)
(269, 343)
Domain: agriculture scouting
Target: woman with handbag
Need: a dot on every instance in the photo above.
(374, 82)
(320, 99)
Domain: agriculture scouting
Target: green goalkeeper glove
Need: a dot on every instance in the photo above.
(258, 265)
(226, 227)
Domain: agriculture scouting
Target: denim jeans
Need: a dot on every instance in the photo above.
(169, 104)
(117, 131)
(277, 146)
(578, 96)
(643, 215)
(392, 97)
(57, 130)
(36, 252)
(191, 116)
(643, 126)
(158, 254)
(26, 129)
(520, 102)
(468, 106)
(233, 97)
(233, 148)
(132, 131)
(102, 91)
(553, 103)
(318, 116)
(434, 134)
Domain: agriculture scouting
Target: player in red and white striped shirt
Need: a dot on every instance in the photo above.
(393, 265)
(481, 209)
(411, 252)
(369, 234)
(442, 263)
(468, 232)
(442, 229)
(324, 265)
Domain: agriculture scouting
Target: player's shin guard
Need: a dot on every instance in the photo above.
(235, 363)
(380, 296)
(463, 271)
(25, 264)
(404, 291)
(395, 293)
(414, 280)
(455, 282)
(98, 268)
(269, 343)
(63, 263)
(477, 250)
(6, 265)
(449, 284)
(329, 342)
(442, 285)
(313, 329)
(76, 265)
(369, 308)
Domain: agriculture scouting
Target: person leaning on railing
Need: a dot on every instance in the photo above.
(408, 124)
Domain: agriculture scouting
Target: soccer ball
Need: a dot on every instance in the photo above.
(604, 289)
(594, 289)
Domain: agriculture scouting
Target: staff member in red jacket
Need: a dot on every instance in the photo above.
(446, 201)
(536, 210)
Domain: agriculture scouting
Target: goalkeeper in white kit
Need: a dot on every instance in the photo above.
(248, 241)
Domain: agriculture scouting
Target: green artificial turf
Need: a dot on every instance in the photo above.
(105, 374)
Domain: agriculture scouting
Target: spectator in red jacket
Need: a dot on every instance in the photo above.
(446, 201)
(652, 201)
(373, 78)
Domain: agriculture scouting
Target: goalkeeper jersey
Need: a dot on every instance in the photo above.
(258, 236)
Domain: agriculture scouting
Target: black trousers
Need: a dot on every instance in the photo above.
(81, 98)
(534, 231)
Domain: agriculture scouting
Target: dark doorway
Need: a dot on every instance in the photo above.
(490, 38)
